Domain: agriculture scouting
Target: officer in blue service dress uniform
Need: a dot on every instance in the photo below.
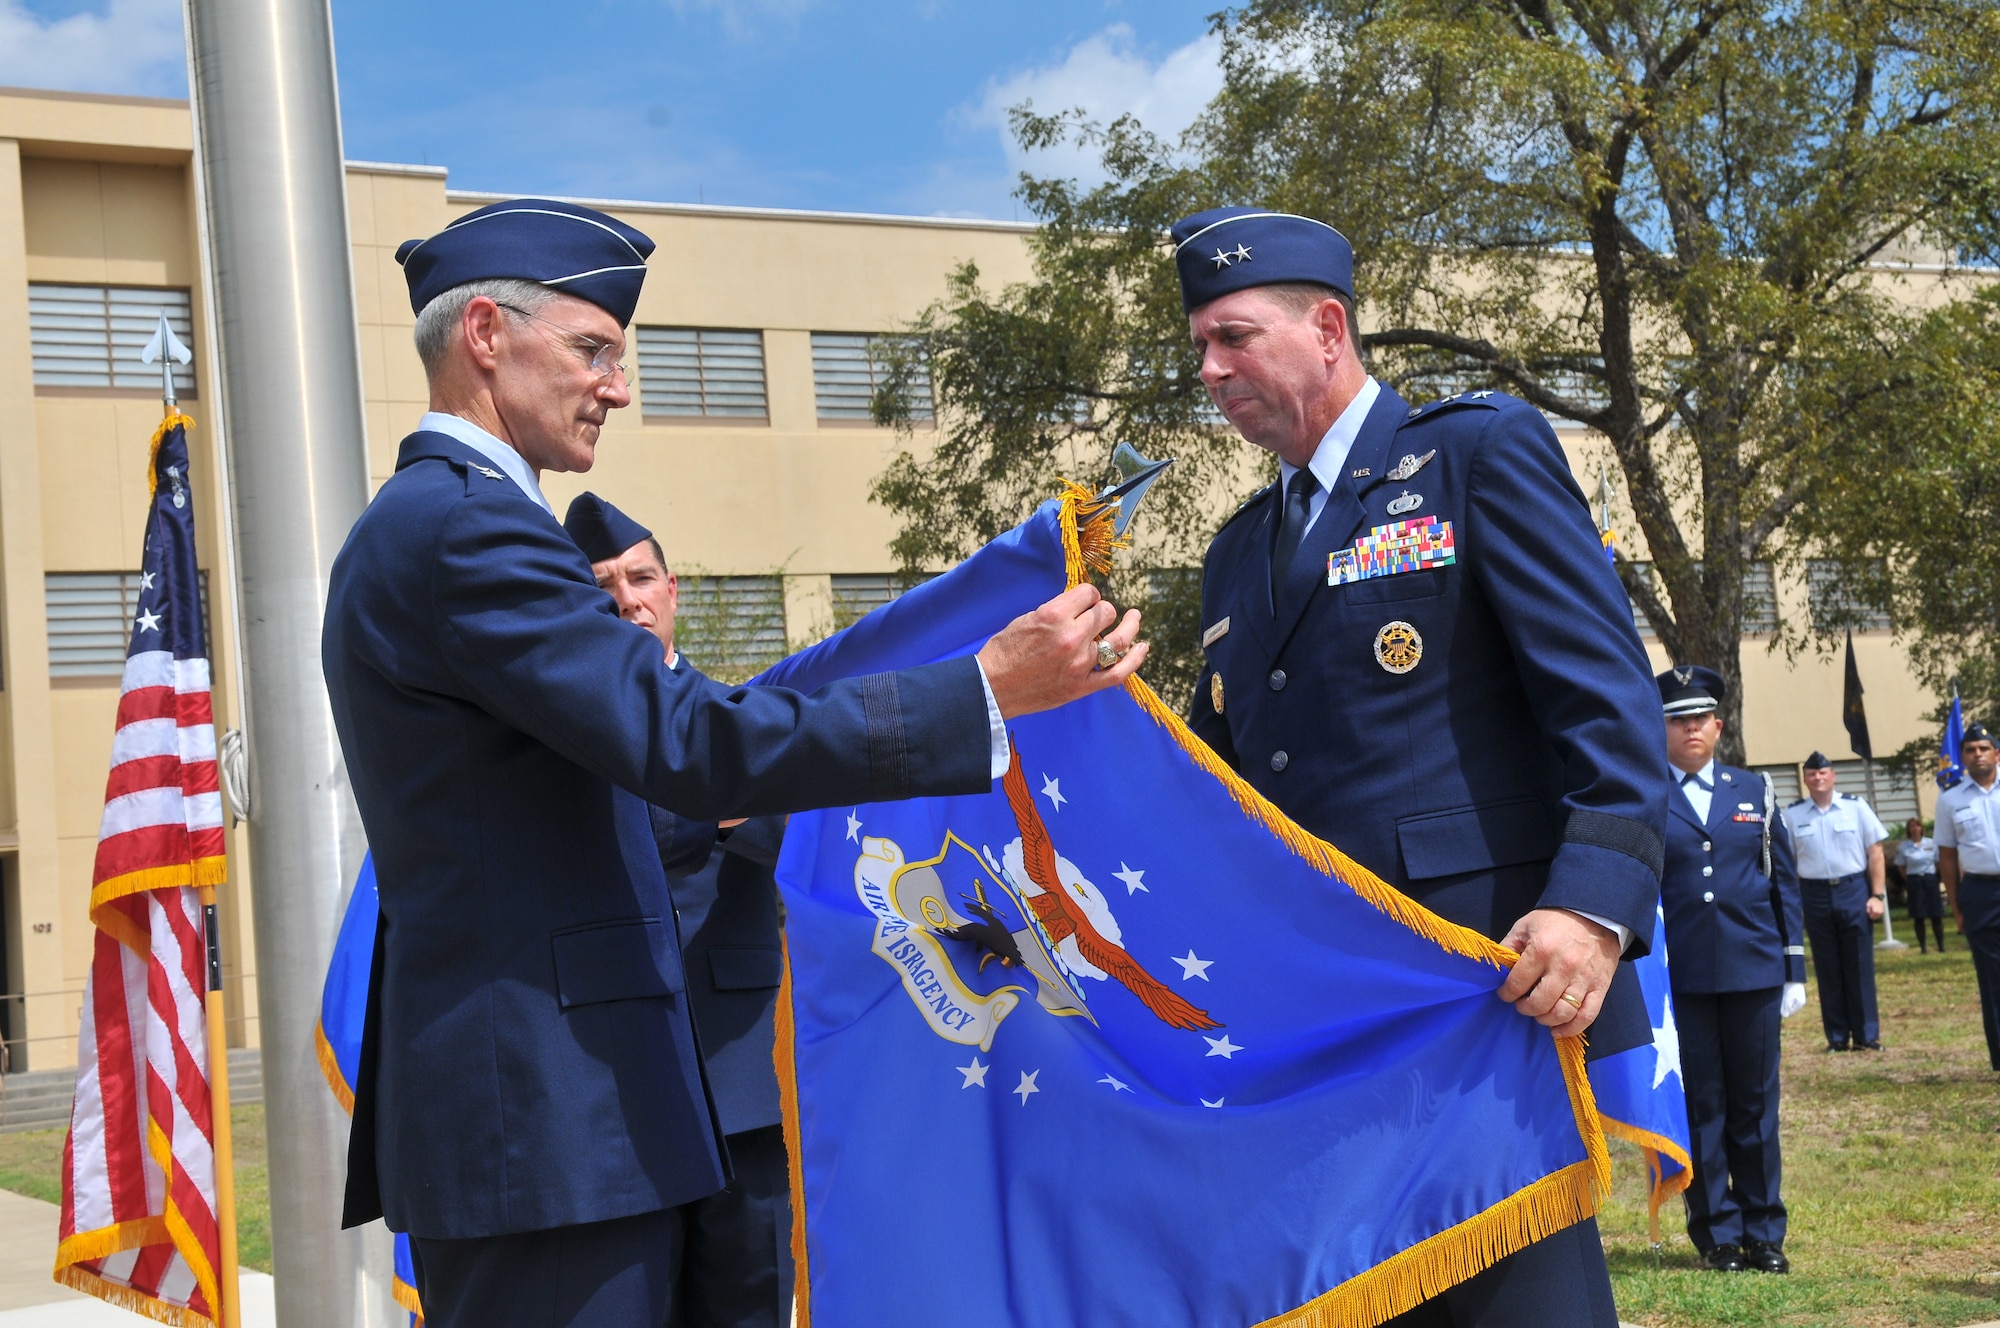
(1837, 842)
(1414, 647)
(530, 1106)
(1737, 960)
(1968, 836)
(736, 1255)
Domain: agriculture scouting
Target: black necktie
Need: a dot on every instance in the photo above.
(1694, 777)
(1292, 528)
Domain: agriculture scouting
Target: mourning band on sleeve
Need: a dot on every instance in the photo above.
(888, 753)
(1634, 839)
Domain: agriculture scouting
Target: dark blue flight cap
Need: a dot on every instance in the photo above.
(601, 530)
(1689, 689)
(1818, 761)
(1976, 732)
(577, 250)
(1225, 250)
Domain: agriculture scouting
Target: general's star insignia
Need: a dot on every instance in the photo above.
(1223, 258)
(1242, 254)
(1482, 394)
(489, 474)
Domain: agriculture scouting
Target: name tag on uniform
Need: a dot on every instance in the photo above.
(1215, 633)
(1401, 546)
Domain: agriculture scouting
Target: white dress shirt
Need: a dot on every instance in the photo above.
(1332, 452)
(1968, 819)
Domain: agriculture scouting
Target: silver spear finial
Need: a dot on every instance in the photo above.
(165, 349)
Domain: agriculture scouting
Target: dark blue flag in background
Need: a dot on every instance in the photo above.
(1949, 770)
(1117, 1043)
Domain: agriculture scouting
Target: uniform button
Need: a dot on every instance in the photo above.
(1708, 871)
(1277, 680)
(1707, 847)
(1279, 760)
(1708, 897)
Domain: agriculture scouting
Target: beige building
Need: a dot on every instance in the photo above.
(749, 450)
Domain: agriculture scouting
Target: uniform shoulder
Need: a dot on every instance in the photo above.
(1247, 505)
(1799, 802)
(1483, 400)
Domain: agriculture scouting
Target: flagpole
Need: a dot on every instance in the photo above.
(166, 349)
(226, 1281)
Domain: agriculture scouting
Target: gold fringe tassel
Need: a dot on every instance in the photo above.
(1664, 1187)
(329, 1065)
(125, 1298)
(173, 418)
(1404, 1281)
(406, 1296)
(212, 870)
(784, 1056)
(1088, 537)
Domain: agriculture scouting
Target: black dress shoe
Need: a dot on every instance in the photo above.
(1723, 1259)
(1836, 1046)
(1765, 1257)
(1868, 1046)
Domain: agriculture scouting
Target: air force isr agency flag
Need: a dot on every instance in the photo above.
(1117, 1043)
(1640, 1095)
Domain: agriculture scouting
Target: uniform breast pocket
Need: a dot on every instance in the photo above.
(1969, 827)
(1395, 588)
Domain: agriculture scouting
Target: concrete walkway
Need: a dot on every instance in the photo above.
(30, 1298)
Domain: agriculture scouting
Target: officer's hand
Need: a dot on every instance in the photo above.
(1875, 908)
(1793, 1000)
(1049, 657)
(1564, 970)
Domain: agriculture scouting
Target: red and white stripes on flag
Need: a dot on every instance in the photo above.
(139, 1203)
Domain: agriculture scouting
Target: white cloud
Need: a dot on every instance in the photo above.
(1106, 76)
(132, 47)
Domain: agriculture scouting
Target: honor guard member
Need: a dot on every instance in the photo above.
(530, 1106)
(1737, 951)
(1415, 648)
(1968, 836)
(1838, 845)
(736, 1252)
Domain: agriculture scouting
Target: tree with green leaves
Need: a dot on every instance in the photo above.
(1736, 239)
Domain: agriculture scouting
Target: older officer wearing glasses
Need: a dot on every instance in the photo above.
(531, 1106)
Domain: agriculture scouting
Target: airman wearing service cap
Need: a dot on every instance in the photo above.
(1968, 836)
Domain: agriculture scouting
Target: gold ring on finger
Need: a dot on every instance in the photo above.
(1571, 1000)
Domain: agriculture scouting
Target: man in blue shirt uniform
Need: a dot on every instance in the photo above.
(1414, 647)
(736, 1252)
(530, 1106)
(1838, 845)
(1968, 836)
(1737, 961)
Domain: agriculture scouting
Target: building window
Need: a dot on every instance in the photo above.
(1785, 786)
(1844, 594)
(90, 619)
(91, 336)
(848, 370)
(702, 372)
(730, 627)
(1760, 600)
(856, 595)
(1895, 795)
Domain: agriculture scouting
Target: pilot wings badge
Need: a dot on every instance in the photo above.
(942, 921)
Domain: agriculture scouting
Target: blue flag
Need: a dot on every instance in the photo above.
(1117, 1042)
(1949, 771)
(1640, 1096)
(343, 1010)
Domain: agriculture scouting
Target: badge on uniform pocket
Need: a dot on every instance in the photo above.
(1398, 647)
(1215, 691)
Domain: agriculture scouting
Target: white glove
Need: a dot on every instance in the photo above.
(1793, 1001)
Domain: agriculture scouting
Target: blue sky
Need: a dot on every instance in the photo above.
(891, 106)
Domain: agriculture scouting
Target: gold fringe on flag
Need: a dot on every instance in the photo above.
(173, 418)
(784, 1056)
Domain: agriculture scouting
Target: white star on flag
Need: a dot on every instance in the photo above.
(1117, 1085)
(1222, 1047)
(974, 1073)
(1052, 790)
(1134, 880)
(1027, 1085)
(1667, 1049)
(145, 580)
(1218, 1102)
(1192, 967)
(854, 827)
(148, 621)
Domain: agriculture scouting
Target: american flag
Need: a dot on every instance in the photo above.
(139, 1208)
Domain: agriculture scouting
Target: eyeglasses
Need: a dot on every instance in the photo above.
(602, 355)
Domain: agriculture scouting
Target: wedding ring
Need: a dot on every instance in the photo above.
(1107, 655)
(1571, 999)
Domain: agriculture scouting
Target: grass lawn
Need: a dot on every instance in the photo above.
(1892, 1177)
(31, 1164)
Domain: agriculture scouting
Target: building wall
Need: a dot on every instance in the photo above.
(99, 190)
